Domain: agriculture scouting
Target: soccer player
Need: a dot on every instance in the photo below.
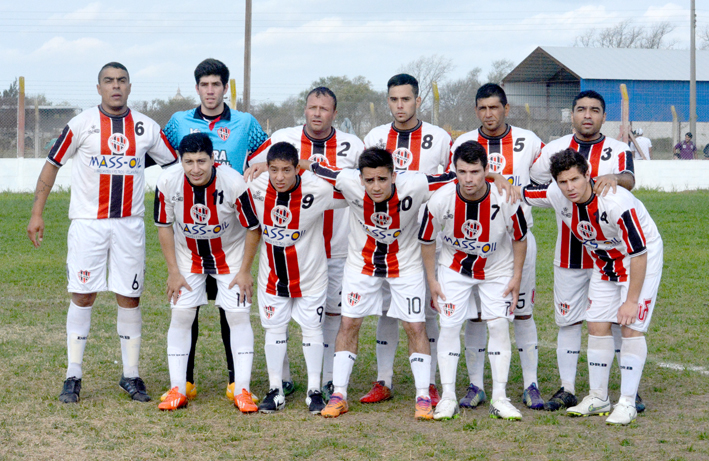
(319, 141)
(611, 165)
(384, 208)
(484, 245)
(109, 145)
(203, 211)
(415, 146)
(234, 135)
(511, 152)
(627, 253)
(292, 281)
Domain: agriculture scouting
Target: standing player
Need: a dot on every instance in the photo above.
(109, 144)
(292, 281)
(511, 152)
(203, 211)
(319, 141)
(611, 165)
(627, 251)
(415, 146)
(234, 135)
(384, 209)
(484, 245)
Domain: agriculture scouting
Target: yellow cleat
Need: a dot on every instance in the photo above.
(191, 392)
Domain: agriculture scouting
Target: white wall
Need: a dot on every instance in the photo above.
(20, 175)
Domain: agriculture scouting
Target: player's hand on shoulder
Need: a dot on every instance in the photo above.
(504, 187)
(604, 184)
(254, 171)
(175, 283)
(35, 230)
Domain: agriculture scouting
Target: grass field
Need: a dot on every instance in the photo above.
(107, 425)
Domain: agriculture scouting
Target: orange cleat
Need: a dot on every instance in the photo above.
(379, 393)
(191, 392)
(174, 400)
(244, 402)
(335, 407)
(424, 409)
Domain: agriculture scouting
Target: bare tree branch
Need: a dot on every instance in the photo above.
(428, 69)
(500, 69)
(626, 34)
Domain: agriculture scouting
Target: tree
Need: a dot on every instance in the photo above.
(458, 102)
(500, 69)
(161, 110)
(704, 37)
(428, 69)
(627, 34)
(11, 93)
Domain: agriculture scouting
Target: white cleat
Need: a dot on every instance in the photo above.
(591, 405)
(446, 409)
(623, 414)
(503, 409)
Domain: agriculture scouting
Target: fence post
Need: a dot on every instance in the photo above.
(675, 129)
(232, 85)
(37, 137)
(21, 120)
(436, 103)
(624, 113)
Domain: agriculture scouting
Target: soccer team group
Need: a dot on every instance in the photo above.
(407, 226)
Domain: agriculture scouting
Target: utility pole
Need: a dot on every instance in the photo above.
(247, 58)
(693, 74)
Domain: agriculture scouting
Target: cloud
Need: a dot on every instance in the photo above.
(61, 46)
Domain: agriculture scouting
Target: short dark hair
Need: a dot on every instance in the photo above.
(113, 65)
(196, 142)
(375, 157)
(565, 160)
(589, 94)
(489, 90)
(688, 134)
(283, 151)
(404, 79)
(211, 67)
(470, 152)
(322, 91)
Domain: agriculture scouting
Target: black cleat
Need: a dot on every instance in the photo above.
(315, 402)
(561, 400)
(639, 405)
(274, 401)
(70, 391)
(288, 387)
(135, 387)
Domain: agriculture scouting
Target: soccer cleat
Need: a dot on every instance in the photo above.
(315, 402)
(288, 387)
(335, 407)
(639, 405)
(589, 406)
(379, 393)
(135, 387)
(424, 409)
(503, 409)
(446, 409)
(474, 397)
(70, 390)
(433, 393)
(327, 391)
(245, 402)
(532, 398)
(230, 388)
(174, 400)
(623, 414)
(274, 401)
(191, 392)
(561, 400)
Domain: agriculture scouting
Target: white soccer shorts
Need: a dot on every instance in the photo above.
(570, 295)
(276, 311)
(335, 271)
(230, 300)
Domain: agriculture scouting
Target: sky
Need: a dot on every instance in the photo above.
(60, 46)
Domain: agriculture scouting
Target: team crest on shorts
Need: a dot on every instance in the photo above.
(281, 215)
(497, 162)
(223, 133)
(269, 311)
(84, 276)
(564, 308)
(381, 219)
(471, 229)
(118, 144)
(586, 230)
(320, 158)
(402, 158)
(200, 213)
(353, 298)
(447, 309)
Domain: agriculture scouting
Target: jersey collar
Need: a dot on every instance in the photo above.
(418, 125)
(225, 115)
(590, 143)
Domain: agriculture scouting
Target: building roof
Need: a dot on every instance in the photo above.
(573, 63)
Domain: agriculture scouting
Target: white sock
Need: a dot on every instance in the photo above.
(433, 334)
(387, 342)
(421, 369)
(568, 349)
(632, 361)
(475, 348)
(78, 323)
(242, 348)
(341, 371)
(285, 373)
(448, 356)
(330, 327)
(499, 351)
(617, 340)
(129, 324)
(179, 339)
(526, 339)
(276, 346)
(600, 359)
(313, 354)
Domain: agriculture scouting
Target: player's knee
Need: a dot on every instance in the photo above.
(311, 333)
(126, 301)
(415, 329)
(182, 318)
(277, 330)
(523, 317)
(237, 318)
(83, 299)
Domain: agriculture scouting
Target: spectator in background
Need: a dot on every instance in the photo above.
(706, 151)
(643, 143)
(685, 150)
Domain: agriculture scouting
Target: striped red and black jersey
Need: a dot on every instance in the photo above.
(605, 156)
(109, 155)
(613, 228)
(292, 262)
(340, 150)
(209, 221)
(382, 239)
(476, 235)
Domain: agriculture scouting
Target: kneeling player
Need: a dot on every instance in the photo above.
(202, 211)
(627, 251)
(484, 245)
